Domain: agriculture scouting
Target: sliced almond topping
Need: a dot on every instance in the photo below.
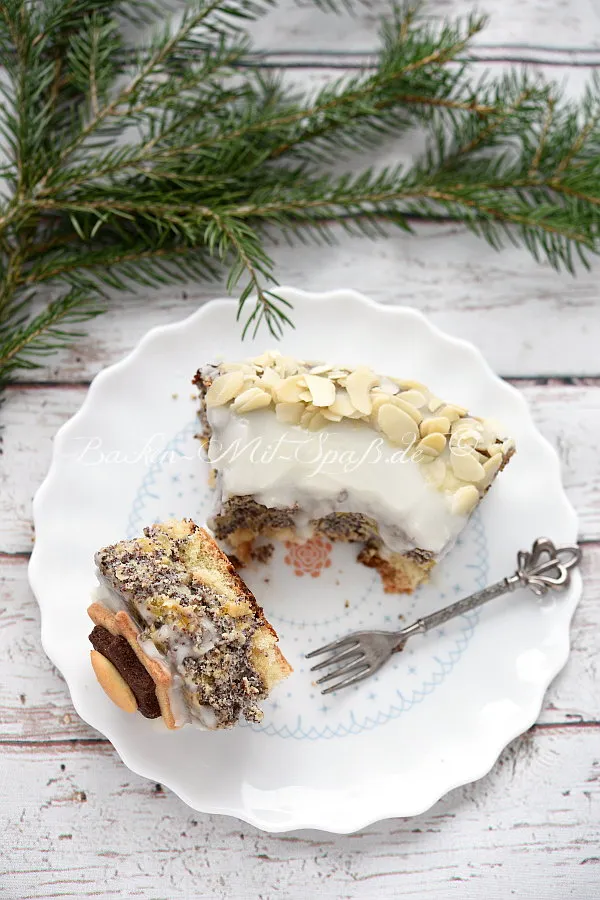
(253, 398)
(378, 398)
(508, 446)
(433, 444)
(289, 390)
(339, 374)
(410, 385)
(397, 425)
(465, 500)
(491, 466)
(467, 422)
(342, 405)
(321, 370)
(247, 369)
(452, 412)
(330, 416)
(435, 472)
(269, 379)
(415, 398)
(266, 359)
(289, 413)
(224, 388)
(408, 408)
(306, 396)
(434, 404)
(435, 424)
(451, 482)
(322, 390)
(358, 385)
(313, 420)
(466, 466)
(305, 418)
(317, 422)
(464, 439)
(388, 386)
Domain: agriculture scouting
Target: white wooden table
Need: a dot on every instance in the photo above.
(74, 822)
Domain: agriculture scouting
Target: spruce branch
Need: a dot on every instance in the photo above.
(140, 166)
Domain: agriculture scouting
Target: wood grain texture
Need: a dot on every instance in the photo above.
(568, 415)
(74, 822)
(83, 826)
(551, 23)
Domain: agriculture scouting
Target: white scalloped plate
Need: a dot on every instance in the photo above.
(436, 718)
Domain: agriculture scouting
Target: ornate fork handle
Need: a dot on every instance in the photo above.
(542, 568)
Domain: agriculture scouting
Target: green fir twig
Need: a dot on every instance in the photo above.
(148, 165)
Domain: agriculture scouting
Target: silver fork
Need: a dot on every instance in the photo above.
(363, 653)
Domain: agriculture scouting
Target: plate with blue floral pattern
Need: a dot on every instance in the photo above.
(440, 713)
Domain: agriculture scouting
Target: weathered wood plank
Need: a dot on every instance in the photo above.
(80, 825)
(568, 415)
(526, 318)
(35, 704)
(550, 23)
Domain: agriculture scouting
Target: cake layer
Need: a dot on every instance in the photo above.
(318, 442)
(191, 621)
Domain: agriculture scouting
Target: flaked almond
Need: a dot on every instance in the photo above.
(466, 466)
(452, 412)
(437, 424)
(248, 370)
(313, 420)
(289, 390)
(342, 405)
(415, 398)
(269, 379)
(408, 385)
(433, 444)
(224, 388)
(330, 416)
(322, 390)
(358, 385)
(317, 422)
(268, 358)
(397, 425)
(253, 398)
(306, 396)
(451, 483)
(408, 408)
(464, 439)
(321, 370)
(289, 413)
(491, 467)
(434, 404)
(464, 500)
(387, 385)
(378, 398)
(434, 472)
(467, 422)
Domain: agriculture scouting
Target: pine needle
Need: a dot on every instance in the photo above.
(140, 166)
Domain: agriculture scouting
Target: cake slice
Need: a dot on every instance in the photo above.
(302, 448)
(177, 632)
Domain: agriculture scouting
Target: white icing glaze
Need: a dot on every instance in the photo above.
(346, 467)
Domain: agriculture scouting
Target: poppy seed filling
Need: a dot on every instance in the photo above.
(185, 621)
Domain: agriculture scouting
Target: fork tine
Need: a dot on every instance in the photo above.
(343, 671)
(347, 656)
(363, 673)
(347, 642)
